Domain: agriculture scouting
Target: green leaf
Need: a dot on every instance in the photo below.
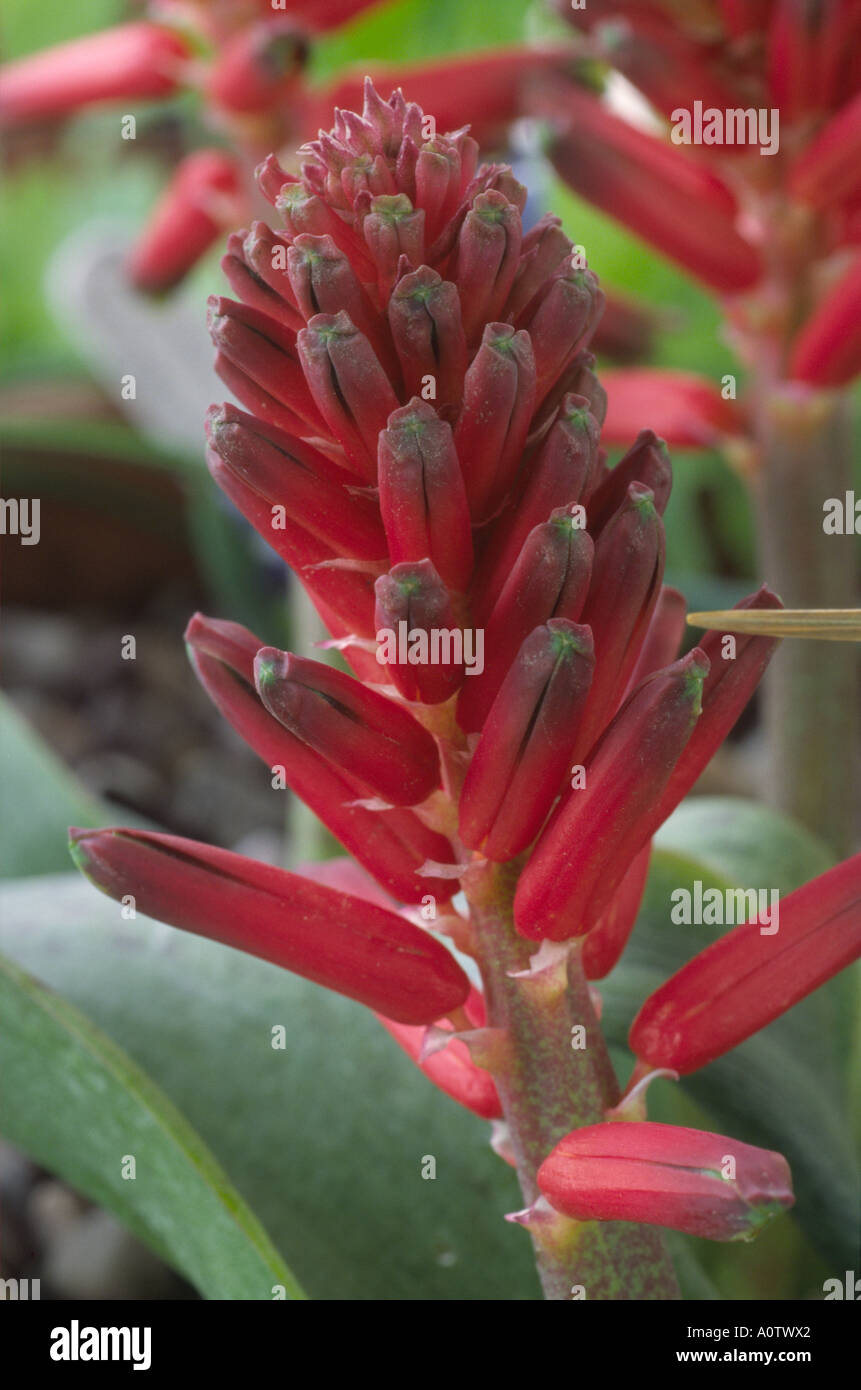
(325, 1138)
(786, 1088)
(40, 800)
(27, 27)
(76, 1103)
(411, 31)
(746, 843)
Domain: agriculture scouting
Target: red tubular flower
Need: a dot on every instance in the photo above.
(584, 851)
(345, 943)
(543, 251)
(523, 753)
(264, 252)
(647, 463)
(550, 580)
(730, 682)
(394, 229)
(827, 351)
(663, 638)
(499, 399)
(684, 409)
(670, 68)
(828, 171)
(577, 379)
(259, 67)
(666, 1175)
(350, 725)
(422, 494)
(305, 211)
(289, 474)
(626, 330)
(619, 168)
(419, 644)
(605, 943)
(626, 583)
(488, 254)
(484, 90)
(792, 35)
(265, 363)
(836, 53)
(751, 976)
(350, 388)
(343, 595)
(201, 199)
(252, 277)
(324, 282)
(452, 1069)
(392, 845)
(133, 60)
(561, 318)
(426, 325)
(562, 472)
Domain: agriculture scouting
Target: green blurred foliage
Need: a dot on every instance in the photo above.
(28, 27)
(410, 31)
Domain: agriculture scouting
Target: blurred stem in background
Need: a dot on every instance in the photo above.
(811, 693)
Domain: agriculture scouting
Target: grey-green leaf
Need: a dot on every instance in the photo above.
(74, 1101)
(40, 799)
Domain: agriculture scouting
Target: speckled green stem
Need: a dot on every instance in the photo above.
(549, 1087)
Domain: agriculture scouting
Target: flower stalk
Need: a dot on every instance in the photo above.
(551, 1084)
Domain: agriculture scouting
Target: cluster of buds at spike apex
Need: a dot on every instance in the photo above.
(345, 943)
(748, 82)
(665, 1175)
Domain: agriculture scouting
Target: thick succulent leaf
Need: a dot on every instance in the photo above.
(74, 1101)
(40, 799)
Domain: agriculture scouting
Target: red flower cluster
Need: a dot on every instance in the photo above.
(778, 235)
(421, 445)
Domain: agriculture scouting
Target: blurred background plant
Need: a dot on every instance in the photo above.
(103, 389)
